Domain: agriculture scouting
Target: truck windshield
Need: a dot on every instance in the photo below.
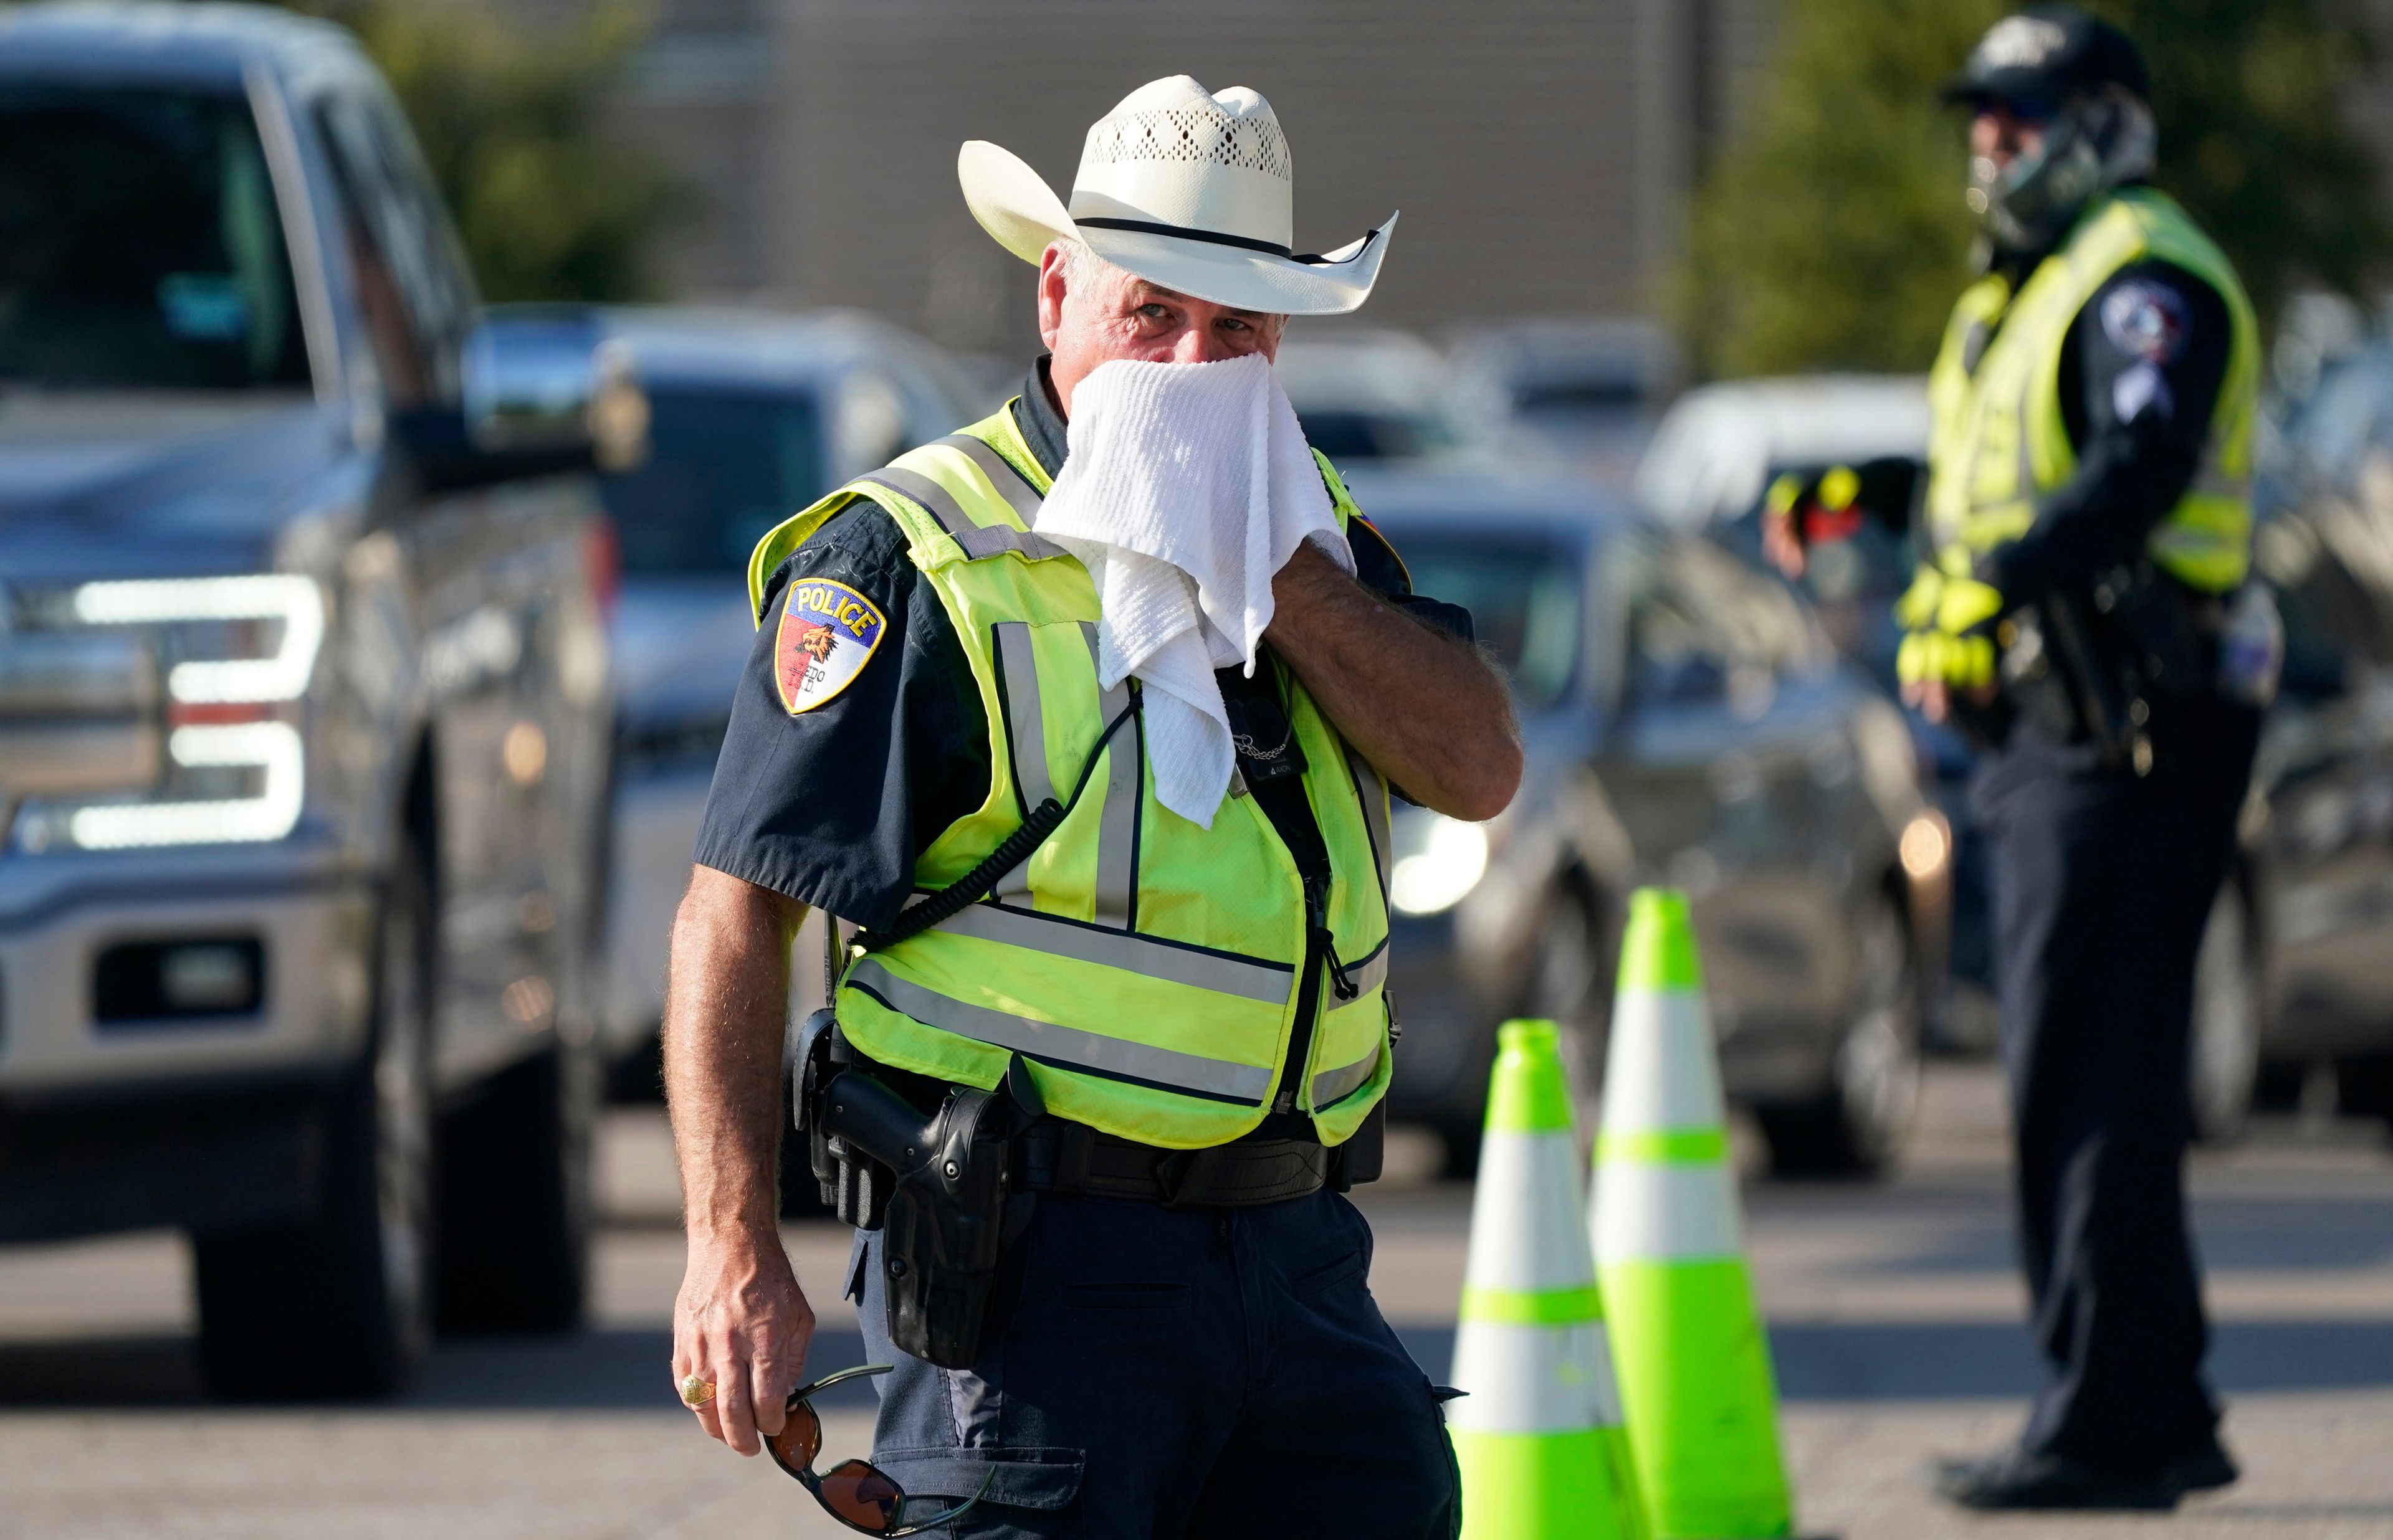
(724, 467)
(140, 245)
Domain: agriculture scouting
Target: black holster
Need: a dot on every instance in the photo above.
(937, 1186)
(2096, 668)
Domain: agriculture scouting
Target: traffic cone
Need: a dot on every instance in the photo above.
(1695, 1366)
(1538, 1435)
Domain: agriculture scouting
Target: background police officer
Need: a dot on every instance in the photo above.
(2087, 530)
(1178, 1339)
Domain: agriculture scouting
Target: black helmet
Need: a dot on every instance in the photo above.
(2083, 81)
(2046, 53)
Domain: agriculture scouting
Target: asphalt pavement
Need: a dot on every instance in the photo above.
(1893, 1310)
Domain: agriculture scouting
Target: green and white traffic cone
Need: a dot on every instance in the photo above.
(1539, 1436)
(1695, 1365)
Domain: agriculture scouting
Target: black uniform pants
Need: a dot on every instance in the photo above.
(1158, 1374)
(2102, 882)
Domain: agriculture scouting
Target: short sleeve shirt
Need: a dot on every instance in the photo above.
(833, 802)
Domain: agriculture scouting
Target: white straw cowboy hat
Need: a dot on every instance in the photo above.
(1184, 188)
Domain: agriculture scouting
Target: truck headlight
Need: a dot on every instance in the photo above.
(237, 655)
(1439, 860)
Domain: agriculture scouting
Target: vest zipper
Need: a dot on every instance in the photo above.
(1320, 956)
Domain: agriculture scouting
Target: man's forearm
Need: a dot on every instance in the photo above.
(1423, 708)
(726, 1006)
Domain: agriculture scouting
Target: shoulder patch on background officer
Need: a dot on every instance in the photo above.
(828, 632)
(2146, 319)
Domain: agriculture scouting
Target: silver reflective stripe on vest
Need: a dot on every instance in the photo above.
(1369, 973)
(1374, 795)
(1117, 824)
(1003, 479)
(977, 539)
(1026, 739)
(1331, 1084)
(1172, 963)
(1062, 1045)
(1026, 735)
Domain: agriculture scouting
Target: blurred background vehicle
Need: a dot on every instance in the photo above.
(1686, 722)
(752, 416)
(2319, 834)
(302, 705)
(1709, 467)
(1580, 395)
(1365, 396)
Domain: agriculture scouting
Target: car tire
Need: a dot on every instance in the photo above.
(516, 1208)
(340, 1304)
(1566, 986)
(2223, 1054)
(1856, 1127)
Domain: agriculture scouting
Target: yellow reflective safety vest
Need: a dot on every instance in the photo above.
(1998, 440)
(1147, 971)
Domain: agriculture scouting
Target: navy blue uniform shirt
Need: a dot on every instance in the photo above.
(833, 805)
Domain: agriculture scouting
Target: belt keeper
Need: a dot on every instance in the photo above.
(1075, 1145)
(1171, 1174)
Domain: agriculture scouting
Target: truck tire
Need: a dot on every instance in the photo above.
(1858, 1125)
(340, 1304)
(515, 1199)
(2223, 1060)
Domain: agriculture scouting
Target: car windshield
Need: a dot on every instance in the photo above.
(140, 245)
(1347, 435)
(724, 467)
(1523, 597)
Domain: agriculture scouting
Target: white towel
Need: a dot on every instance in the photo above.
(1186, 487)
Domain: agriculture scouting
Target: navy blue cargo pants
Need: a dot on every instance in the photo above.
(1153, 1374)
(2103, 881)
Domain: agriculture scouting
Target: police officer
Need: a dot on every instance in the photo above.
(2087, 525)
(1171, 1039)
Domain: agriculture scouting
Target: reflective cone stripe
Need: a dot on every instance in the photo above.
(1537, 1437)
(1693, 1364)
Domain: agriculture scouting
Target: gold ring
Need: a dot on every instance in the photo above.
(696, 1391)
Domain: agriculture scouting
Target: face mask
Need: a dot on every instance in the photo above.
(2091, 144)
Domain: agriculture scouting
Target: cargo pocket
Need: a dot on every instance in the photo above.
(1439, 1395)
(1041, 1480)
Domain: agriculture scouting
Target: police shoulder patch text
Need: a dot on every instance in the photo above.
(828, 632)
(2146, 320)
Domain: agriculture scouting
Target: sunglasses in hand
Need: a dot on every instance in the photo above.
(854, 1492)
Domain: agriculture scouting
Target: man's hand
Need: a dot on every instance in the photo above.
(1423, 708)
(743, 1324)
(741, 1321)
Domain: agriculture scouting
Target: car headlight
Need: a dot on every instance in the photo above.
(1439, 860)
(236, 655)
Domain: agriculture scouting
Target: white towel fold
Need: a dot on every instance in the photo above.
(1186, 487)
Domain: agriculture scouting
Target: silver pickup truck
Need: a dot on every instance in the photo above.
(304, 704)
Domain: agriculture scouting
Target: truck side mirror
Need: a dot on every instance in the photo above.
(545, 391)
(550, 380)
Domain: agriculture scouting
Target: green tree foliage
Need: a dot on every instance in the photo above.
(549, 200)
(1833, 236)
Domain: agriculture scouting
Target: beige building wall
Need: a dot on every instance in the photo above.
(1539, 149)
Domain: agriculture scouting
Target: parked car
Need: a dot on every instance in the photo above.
(1709, 467)
(750, 416)
(1685, 722)
(1579, 394)
(2315, 898)
(1365, 395)
(303, 694)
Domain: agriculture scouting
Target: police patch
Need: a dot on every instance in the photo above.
(828, 634)
(2146, 320)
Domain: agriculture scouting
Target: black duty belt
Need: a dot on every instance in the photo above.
(1053, 1155)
